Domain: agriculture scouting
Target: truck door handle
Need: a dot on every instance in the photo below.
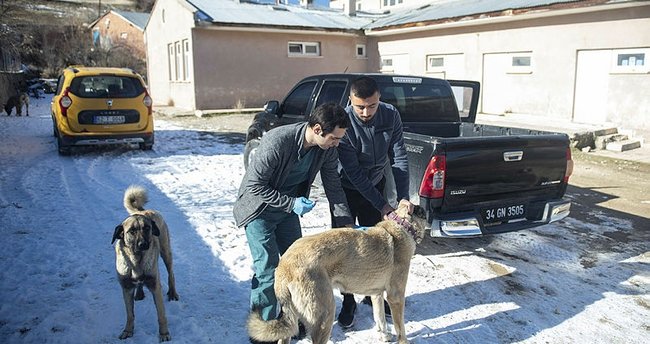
(513, 156)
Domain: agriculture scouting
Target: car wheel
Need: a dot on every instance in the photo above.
(146, 146)
(54, 131)
(63, 149)
(249, 151)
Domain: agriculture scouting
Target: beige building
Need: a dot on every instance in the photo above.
(585, 61)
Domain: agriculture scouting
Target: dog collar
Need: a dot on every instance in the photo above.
(404, 223)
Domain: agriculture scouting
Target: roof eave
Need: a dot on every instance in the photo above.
(492, 18)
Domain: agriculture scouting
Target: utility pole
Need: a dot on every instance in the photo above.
(99, 9)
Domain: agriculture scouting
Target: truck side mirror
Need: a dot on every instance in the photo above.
(271, 107)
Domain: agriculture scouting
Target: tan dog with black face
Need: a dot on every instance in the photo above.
(367, 262)
(139, 240)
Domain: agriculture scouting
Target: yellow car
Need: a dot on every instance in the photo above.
(101, 106)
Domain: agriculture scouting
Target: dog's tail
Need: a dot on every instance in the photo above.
(135, 197)
(273, 330)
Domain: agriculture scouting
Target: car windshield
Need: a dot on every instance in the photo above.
(106, 86)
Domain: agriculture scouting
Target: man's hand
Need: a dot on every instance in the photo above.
(408, 204)
(302, 206)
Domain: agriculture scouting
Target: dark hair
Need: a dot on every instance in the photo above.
(364, 87)
(329, 116)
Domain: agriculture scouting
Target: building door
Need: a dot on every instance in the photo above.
(592, 83)
(495, 83)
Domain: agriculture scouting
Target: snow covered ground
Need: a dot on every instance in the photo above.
(58, 283)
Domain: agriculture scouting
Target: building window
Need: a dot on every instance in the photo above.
(388, 3)
(361, 51)
(178, 57)
(304, 49)
(435, 63)
(387, 65)
(186, 59)
(521, 63)
(630, 61)
(170, 61)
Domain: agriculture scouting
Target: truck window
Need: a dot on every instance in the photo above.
(331, 92)
(295, 104)
(422, 102)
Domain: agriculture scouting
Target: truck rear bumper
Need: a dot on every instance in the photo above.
(472, 226)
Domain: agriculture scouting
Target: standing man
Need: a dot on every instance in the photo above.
(372, 142)
(275, 191)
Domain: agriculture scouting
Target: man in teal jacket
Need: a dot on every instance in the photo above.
(275, 191)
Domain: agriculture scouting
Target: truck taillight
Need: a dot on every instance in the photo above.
(433, 183)
(148, 102)
(65, 102)
(569, 165)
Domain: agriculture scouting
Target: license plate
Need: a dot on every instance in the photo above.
(504, 213)
(108, 119)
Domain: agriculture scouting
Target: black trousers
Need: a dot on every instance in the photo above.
(363, 212)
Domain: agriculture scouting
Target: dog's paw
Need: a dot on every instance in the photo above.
(165, 337)
(172, 295)
(126, 334)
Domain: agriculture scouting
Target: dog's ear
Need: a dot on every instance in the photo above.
(118, 234)
(154, 228)
(419, 212)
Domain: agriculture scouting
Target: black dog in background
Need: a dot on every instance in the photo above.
(17, 102)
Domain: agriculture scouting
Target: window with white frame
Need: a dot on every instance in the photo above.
(387, 65)
(435, 63)
(304, 49)
(631, 60)
(389, 3)
(521, 63)
(361, 51)
(186, 59)
(170, 61)
(178, 57)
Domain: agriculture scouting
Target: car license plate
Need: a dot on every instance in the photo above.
(108, 119)
(499, 214)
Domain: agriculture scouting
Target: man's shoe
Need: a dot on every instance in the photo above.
(346, 316)
(368, 301)
(302, 332)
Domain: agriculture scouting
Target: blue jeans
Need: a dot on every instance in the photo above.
(269, 236)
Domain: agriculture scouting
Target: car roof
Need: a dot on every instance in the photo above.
(83, 70)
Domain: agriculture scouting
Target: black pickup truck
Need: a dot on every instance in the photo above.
(471, 179)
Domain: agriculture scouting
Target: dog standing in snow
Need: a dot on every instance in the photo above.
(17, 102)
(367, 262)
(139, 240)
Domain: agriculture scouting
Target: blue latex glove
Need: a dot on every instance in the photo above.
(360, 228)
(302, 206)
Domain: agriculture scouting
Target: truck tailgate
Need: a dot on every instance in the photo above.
(487, 169)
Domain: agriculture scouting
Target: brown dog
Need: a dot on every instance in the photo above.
(140, 239)
(17, 102)
(367, 262)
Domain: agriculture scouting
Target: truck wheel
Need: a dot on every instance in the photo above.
(249, 151)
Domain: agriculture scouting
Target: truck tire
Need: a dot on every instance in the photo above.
(249, 151)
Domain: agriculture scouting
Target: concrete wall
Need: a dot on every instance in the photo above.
(171, 21)
(249, 68)
(548, 90)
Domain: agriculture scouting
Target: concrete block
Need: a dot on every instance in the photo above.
(622, 146)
